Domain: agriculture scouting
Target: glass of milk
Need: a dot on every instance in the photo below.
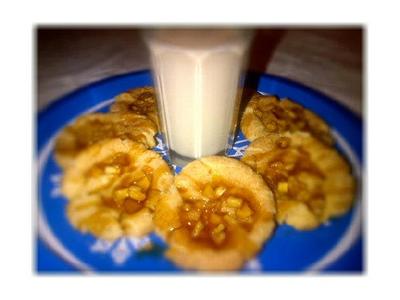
(197, 75)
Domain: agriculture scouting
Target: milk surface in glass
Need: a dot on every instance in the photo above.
(197, 73)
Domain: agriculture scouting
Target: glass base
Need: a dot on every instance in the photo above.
(181, 161)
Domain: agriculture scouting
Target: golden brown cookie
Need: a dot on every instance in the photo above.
(225, 214)
(92, 128)
(311, 181)
(114, 187)
(141, 101)
(266, 114)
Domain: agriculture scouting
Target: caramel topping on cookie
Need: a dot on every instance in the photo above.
(225, 214)
(266, 114)
(92, 128)
(311, 181)
(114, 187)
(213, 217)
(141, 101)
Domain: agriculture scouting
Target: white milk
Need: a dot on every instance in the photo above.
(197, 76)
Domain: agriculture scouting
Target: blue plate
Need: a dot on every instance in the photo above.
(335, 246)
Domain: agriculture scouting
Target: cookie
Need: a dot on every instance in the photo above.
(113, 189)
(92, 128)
(266, 114)
(140, 101)
(224, 215)
(311, 181)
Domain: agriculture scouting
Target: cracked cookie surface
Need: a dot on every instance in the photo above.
(223, 216)
(311, 181)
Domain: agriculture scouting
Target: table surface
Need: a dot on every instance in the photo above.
(326, 59)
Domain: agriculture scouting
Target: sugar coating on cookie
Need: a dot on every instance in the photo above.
(92, 128)
(311, 181)
(113, 189)
(267, 114)
(141, 101)
(223, 217)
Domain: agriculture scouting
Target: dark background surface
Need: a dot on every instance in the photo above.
(326, 59)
